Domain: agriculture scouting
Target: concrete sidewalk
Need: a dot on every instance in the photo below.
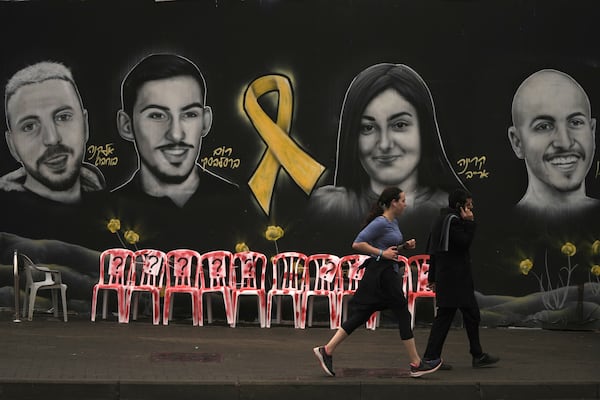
(47, 358)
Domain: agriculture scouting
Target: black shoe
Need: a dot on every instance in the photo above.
(446, 367)
(484, 361)
(325, 360)
(425, 367)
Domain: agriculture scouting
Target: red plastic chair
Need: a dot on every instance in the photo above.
(350, 275)
(147, 276)
(421, 262)
(217, 265)
(179, 270)
(115, 264)
(249, 280)
(285, 283)
(320, 279)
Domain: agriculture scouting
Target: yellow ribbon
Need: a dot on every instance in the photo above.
(281, 150)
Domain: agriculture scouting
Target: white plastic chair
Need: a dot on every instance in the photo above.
(320, 279)
(419, 289)
(181, 266)
(52, 281)
(217, 265)
(146, 277)
(248, 279)
(285, 283)
(115, 264)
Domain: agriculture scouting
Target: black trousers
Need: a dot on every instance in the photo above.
(441, 326)
(391, 297)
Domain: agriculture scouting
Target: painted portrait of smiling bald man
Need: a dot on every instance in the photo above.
(554, 133)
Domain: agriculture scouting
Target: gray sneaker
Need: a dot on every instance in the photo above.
(425, 367)
(325, 360)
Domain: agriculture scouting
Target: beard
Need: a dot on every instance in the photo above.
(165, 177)
(56, 183)
(55, 180)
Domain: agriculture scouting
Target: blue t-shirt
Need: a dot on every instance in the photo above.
(381, 233)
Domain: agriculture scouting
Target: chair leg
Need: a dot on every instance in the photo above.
(199, 310)
(304, 299)
(412, 309)
(194, 310)
(228, 306)
(333, 312)
(262, 311)
(166, 307)
(104, 303)
(373, 321)
(63, 291)
(268, 310)
(121, 306)
(235, 304)
(278, 315)
(94, 301)
(155, 308)
(296, 302)
(32, 294)
(127, 305)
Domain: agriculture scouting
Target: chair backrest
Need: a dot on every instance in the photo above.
(321, 272)
(32, 271)
(115, 264)
(285, 269)
(350, 272)
(217, 265)
(421, 262)
(149, 268)
(181, 265)
(249, 270)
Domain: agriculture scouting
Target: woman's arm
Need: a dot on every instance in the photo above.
(391, 253)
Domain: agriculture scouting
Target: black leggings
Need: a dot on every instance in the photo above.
(392, 298)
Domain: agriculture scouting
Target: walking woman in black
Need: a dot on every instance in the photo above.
(381, 286)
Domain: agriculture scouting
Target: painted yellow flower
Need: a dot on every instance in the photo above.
(274, 233)
(241, 246)
(114, 225)
(568, 249)
(596, 248)
(596, 270)
(131, 237)
(525, 266)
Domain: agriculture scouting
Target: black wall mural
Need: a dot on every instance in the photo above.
(201, 124)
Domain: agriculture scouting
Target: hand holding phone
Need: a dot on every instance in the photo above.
(466, 213)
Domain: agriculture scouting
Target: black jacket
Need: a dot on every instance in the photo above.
(450, 268)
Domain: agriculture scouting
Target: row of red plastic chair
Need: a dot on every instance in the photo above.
(294, 274)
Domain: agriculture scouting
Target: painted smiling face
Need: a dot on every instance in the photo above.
(389, 141)
(48, 131)
(553, 131)
(169, 124)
